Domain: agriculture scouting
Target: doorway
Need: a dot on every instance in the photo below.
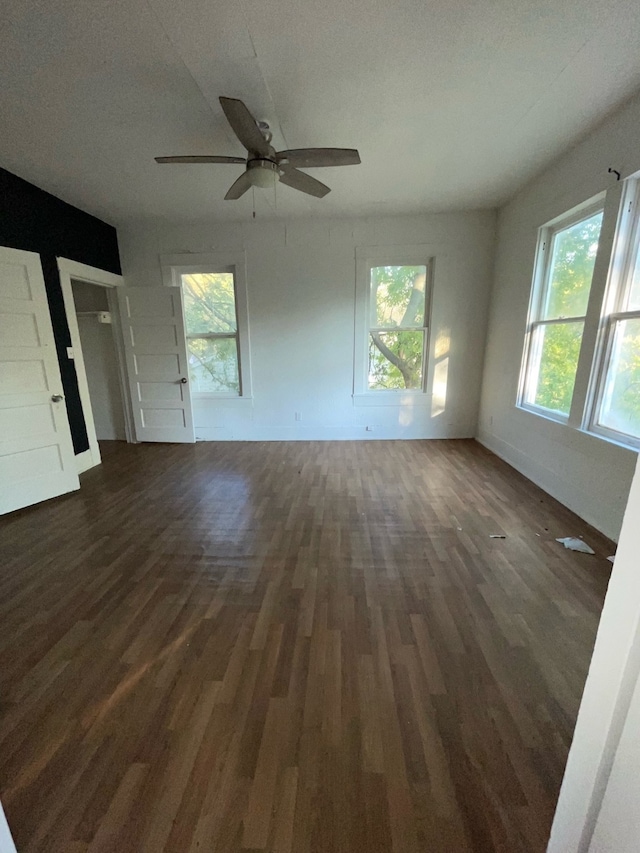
(95, 324)
(96, 348)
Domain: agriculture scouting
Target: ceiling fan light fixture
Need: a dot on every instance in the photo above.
(262, 173)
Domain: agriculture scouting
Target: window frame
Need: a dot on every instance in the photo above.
(625, 252)
(174, 267)
(539, 289)
(366, 260)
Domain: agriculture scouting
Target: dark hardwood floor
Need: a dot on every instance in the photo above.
(292, 647)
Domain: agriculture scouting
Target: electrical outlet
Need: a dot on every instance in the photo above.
(298, 416)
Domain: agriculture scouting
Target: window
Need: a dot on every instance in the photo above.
(566, 257)
(617, 412)
(216, 322)
(397, 327)
(212, 332)
(582, 352)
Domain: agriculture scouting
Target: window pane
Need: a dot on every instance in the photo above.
(395, 360)
(573, 257)
(554, 360)
(209, 303)
(398, 296)
(213, 365)
(621, 401)
(633, 301)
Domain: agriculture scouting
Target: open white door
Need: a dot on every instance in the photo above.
(36, 453)
(156, 354)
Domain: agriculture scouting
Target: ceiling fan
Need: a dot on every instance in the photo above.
(264, 165)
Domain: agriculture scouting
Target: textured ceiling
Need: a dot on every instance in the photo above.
(453, 104)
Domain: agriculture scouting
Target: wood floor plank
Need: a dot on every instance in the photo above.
(306, 647)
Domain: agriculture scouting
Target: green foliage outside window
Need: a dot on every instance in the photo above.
(573, 254)
(558, 365)
(397, 318)
(621, 408)
(211, 326)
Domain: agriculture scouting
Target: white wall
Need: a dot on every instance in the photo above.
(100, 362)
(301, 289)
(587, 474)
(606, 734)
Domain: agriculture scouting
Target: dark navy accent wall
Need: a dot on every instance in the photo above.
(37, 221)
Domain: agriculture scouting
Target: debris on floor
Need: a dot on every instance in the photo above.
(574, 544)
(497, 536)
(612, 559)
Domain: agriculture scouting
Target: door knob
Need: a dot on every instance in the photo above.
(55, 398)
(183, 380)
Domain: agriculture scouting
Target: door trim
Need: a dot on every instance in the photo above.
(67, 270)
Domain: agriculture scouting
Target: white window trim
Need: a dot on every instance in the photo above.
(175, 266)
(627, 238)
(538, 289)
(366, 258)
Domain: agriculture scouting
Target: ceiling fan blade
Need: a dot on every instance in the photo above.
(239, 187)
(308, 158)
(244, 126)
(304, 183)
(200, 158)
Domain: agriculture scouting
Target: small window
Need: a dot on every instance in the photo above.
(567, 253)
(618, 409)
(397, 327)
(212, 332)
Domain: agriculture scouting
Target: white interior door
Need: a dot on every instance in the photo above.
(156, 353)
(36, 453)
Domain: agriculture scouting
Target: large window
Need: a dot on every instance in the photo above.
(216, 322)
(397, 327)
(211, 326)
(617, 410)
(566, 257)
(581, 361)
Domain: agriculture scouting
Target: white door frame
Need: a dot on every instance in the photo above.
(92, 275)
(614, 672)
(6, 841)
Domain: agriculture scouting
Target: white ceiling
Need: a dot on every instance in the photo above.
(452, 103)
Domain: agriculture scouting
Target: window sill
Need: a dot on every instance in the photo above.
(392, 398)
(632, 444)
(602, 435)
(547, 414)
(227, 399)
